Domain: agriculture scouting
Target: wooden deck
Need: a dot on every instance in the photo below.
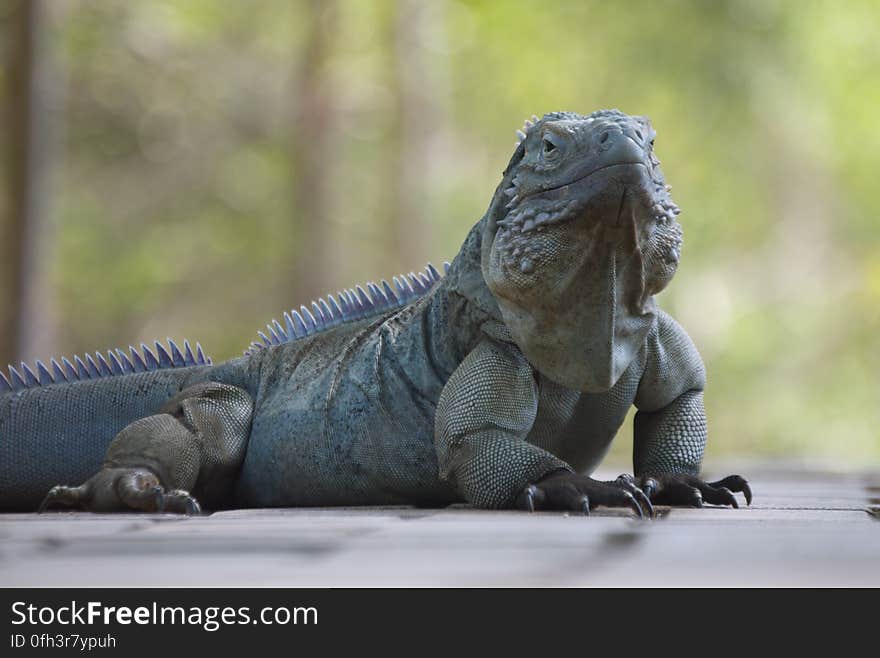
(803, 529)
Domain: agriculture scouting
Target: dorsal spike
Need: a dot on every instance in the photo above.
(30, 379)
(15, 380)
(188, 356)
(124, 361)
(176, 354)
(150, 359)
(164, 358)
(425, 280)
(330, 318)
(353, 302)
(356, 306)
(309, 319)
(58, 371)
(266, 340)
(349, 307)
(432, 272)
(115, 366)
(140, 365)
(274, 337)
(201, 359)
(379, 298)
(82, 369)
(347, 311)
(363, 298)
(299, 324)
(70, 370)
(414, 282)
(94, 372)
(389, 293)
(103, 366)
(334, 306)
(446, 267)
(5, 385)
(403, 291)
(318, 314)
(291, 327)
(43, 374)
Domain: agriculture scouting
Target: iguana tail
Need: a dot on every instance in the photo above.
(56, 422)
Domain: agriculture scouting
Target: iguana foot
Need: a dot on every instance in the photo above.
(691, 491)
(564, 490)
(120, 489)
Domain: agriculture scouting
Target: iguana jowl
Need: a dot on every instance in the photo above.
(501, 383)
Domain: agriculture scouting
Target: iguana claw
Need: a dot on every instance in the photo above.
(180, 502)
(526, 498)
(60, 496)
(691, 491)
(563, 490)
(626, 482)
(735, 483)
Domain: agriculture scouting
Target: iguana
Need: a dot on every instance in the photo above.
(501, 383)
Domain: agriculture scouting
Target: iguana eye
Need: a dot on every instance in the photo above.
(549, 149)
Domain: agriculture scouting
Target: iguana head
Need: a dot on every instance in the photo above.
(579, 237)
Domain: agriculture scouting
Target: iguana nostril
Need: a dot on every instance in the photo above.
(639, 135)
(604, 137)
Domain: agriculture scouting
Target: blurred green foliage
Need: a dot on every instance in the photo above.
(176, 209)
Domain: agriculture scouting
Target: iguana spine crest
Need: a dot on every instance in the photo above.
(348, 305)
(117, 362)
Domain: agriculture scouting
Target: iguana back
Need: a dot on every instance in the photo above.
(57, 421)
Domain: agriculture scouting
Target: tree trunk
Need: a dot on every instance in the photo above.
(421, 90)
(313, 142)
(26, 323)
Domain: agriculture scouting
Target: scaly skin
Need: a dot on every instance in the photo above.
(502, 386)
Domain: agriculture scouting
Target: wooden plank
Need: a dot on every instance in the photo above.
(800, 531)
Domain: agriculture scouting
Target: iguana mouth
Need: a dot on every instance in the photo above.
(580, 179)
(536, 211)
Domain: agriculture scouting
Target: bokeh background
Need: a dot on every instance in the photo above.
(192, 168)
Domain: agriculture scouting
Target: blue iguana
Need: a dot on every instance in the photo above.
(500, 383)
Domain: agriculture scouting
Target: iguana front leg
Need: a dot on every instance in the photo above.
(484, 415)
(670, 432)
(668, 451)
(192, 447)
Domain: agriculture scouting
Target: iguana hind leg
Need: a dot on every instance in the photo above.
(162, 463)
(115, 489)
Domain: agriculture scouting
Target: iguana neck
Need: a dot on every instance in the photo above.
(465, 276)
(446, 324)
